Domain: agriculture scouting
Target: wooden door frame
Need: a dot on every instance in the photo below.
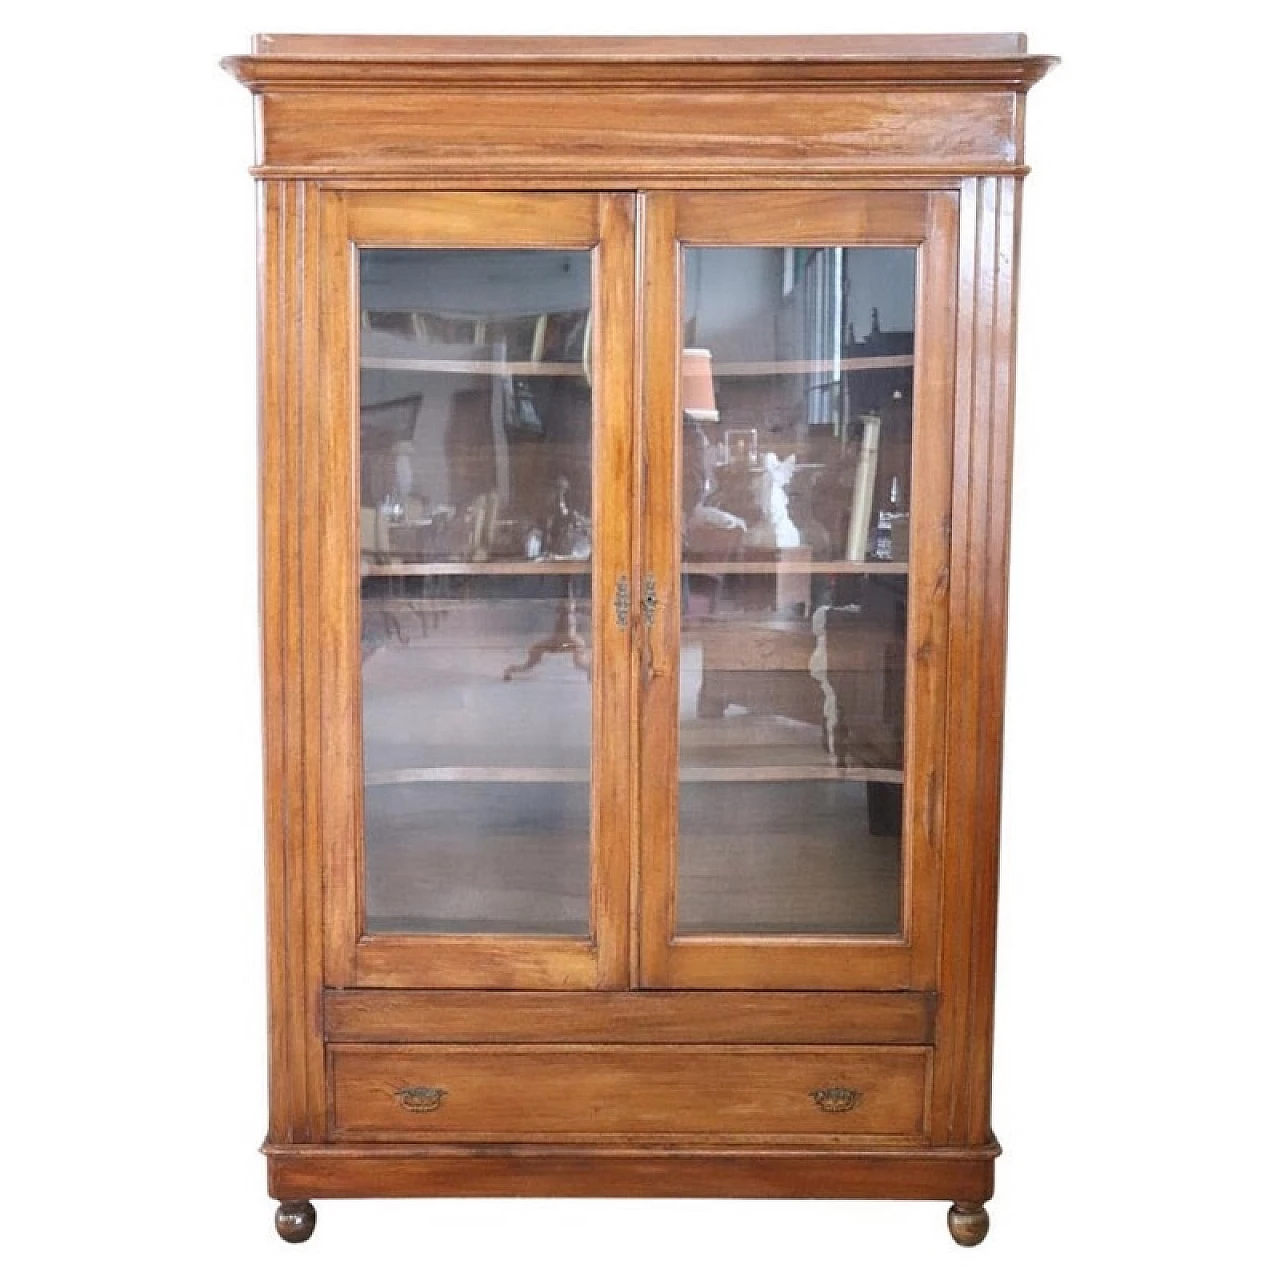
(927, 220)
(603, 223)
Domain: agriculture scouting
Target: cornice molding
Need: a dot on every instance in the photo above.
(336, 63)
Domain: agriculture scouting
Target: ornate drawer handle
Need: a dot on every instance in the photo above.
(835, 1098)
(421, 1099)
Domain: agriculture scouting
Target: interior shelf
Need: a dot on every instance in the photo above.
(788, 773)
(475, 568)
(765, 368)
(795, 566)
(539, 568)
(566, 368)
(498, 368)
(694, 773)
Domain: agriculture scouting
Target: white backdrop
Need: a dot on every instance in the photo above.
(1140, 847)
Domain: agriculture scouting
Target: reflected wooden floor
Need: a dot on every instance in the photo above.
(477, 858)
(784, 857)
(476, 815)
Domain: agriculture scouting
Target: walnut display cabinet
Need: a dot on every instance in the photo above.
(635, 431)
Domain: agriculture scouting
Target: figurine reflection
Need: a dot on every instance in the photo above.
(775, 529)
(568, 531)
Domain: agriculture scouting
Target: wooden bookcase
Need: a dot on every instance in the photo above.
(633, 733)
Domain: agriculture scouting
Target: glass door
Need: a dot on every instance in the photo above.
(797, 443)
(479, 352)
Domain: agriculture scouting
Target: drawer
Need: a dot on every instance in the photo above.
(430, 1092)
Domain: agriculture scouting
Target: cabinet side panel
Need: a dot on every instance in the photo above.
(984, 420)
(293, 892)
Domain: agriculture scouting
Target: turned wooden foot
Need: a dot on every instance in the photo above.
(968, 1223)
(295, 1220)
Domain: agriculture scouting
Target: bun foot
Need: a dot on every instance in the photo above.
(295, 1220)
(968, 1223)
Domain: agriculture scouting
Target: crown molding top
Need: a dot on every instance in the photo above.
(300, 62)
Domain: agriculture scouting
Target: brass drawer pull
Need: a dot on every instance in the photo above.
(421, 1099)
(835, 1098)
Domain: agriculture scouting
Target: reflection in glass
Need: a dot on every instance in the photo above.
(796, 465)
(475, 537)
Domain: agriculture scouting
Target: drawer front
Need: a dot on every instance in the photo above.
(503, 1092)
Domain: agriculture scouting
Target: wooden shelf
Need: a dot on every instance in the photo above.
(768, 368)
(692, 773)
(795, 566)
(473, 773)
(496, 368)
(788, 773)
(475, 568)
(540, 568)
(569, 369)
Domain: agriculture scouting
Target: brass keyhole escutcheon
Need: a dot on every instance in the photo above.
(622, 601)
(649, 600)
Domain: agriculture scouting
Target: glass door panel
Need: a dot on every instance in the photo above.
(477, 814)
(800, 362)
(476, 594)
(796, 499)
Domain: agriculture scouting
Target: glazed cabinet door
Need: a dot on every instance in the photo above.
(477, 370)
(797, 442)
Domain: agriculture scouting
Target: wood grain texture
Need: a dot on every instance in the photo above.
(474, 960)
(640, 569)
(474, 220)
(801, 218)
(658, 529)
(929, 599)
(351, 1170)
(288, 567)
(501, 1092)
(632, 111)
(638, 136)
(630, 1017)
(812, 178)
(631, 50)
(360, 62)
(614, 377)
(312, 556)
(788, 963)
(336, 527)
(980, 505)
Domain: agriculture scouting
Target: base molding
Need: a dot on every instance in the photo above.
(303, 1172)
